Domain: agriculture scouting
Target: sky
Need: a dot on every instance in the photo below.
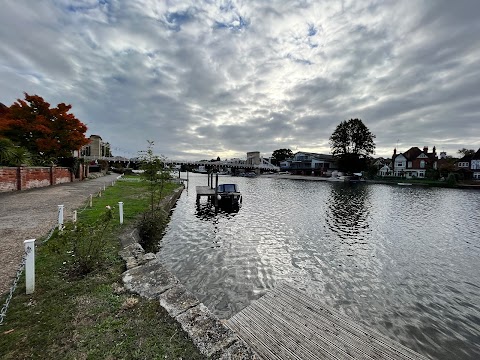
(219, 78)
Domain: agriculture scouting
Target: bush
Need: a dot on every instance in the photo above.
(451, 180)
(88, 243)
(151, 229)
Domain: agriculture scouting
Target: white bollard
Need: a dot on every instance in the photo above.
(120, 211)
(60, 217)
(30, 266)
(74, 216)
(91, 200)
(104, 187)
(100, 193)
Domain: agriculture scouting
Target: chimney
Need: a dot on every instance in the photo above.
(394, 151)
(425, 149)
(434, 151)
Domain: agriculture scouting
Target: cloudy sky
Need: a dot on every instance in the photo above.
(220, 78)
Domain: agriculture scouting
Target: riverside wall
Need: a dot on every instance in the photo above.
(147, 276)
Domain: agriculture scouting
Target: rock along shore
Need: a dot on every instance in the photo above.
(147, 276)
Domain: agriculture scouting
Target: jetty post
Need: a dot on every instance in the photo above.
(216, 190)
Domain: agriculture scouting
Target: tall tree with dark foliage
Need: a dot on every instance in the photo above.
(352, 144)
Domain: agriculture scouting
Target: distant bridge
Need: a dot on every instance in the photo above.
(264, 163)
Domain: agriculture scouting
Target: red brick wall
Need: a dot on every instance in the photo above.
(8, 179)
(62, 175)
(36, 177)
(21, 178)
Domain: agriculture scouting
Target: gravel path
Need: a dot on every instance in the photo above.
(32, 213)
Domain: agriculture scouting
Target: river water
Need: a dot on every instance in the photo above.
(403, 260)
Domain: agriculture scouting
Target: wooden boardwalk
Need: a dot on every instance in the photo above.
(287, 324)
(205, 191)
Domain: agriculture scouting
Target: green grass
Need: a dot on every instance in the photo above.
(91, 316)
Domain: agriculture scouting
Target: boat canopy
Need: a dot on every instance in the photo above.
(228, 188)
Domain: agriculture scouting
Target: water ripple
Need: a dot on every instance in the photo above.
(403, 260)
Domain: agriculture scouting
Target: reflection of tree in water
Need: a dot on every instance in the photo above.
(347, 213)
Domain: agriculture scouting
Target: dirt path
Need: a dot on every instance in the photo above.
(32, 213)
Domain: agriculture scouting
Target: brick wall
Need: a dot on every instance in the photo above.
(8, 179)
(21, 178)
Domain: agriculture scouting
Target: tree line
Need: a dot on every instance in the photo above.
(351, 144)
(34, 133)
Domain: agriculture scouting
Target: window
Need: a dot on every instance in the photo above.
(399, 164)
(422, 164)
(409, 164)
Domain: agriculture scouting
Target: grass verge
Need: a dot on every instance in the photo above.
(91, 316)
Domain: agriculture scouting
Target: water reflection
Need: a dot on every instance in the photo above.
(347, 213)
(404, 261)
(208, 212)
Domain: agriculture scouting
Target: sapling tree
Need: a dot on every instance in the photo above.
(157, 175)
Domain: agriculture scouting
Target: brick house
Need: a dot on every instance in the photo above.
(469, 166)
(414, 162)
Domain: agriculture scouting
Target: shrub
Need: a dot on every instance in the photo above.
(88, 243)
(151, 229)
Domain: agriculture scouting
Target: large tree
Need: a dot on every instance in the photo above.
(47, 133)
(465, 152)
(280, 155)
(352, 144)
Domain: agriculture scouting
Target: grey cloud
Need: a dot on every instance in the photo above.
(202, 79)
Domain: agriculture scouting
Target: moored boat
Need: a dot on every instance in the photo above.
(229, 194)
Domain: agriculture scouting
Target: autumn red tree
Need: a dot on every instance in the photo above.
(45, 132)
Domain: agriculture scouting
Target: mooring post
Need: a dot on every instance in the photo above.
(120, 211)
(104, 187)
(216, 190)
(29, 266)
(60, 217)
(100, 193)
(90, 203)
(74, 216)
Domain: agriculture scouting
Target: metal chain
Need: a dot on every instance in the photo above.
(52, 230)
(86, 205)
(3, 312)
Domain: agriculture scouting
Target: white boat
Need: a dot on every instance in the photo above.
(338, 178)
(405, 184)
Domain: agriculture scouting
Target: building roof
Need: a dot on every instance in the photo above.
(477, 155)
(315, 155)
(467, 158)
(414, 152)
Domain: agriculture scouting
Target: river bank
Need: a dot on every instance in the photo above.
(92, 315)
(414, 182)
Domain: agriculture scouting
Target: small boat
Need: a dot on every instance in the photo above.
(405, 184)
(338, 178)
(356, 178)
(229, 195)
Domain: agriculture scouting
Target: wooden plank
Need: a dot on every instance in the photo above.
(334, 332)
(367, 334)
(205, 191)
(287, 324)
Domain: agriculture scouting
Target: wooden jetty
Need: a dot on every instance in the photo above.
(205, 191)
(287, 324)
